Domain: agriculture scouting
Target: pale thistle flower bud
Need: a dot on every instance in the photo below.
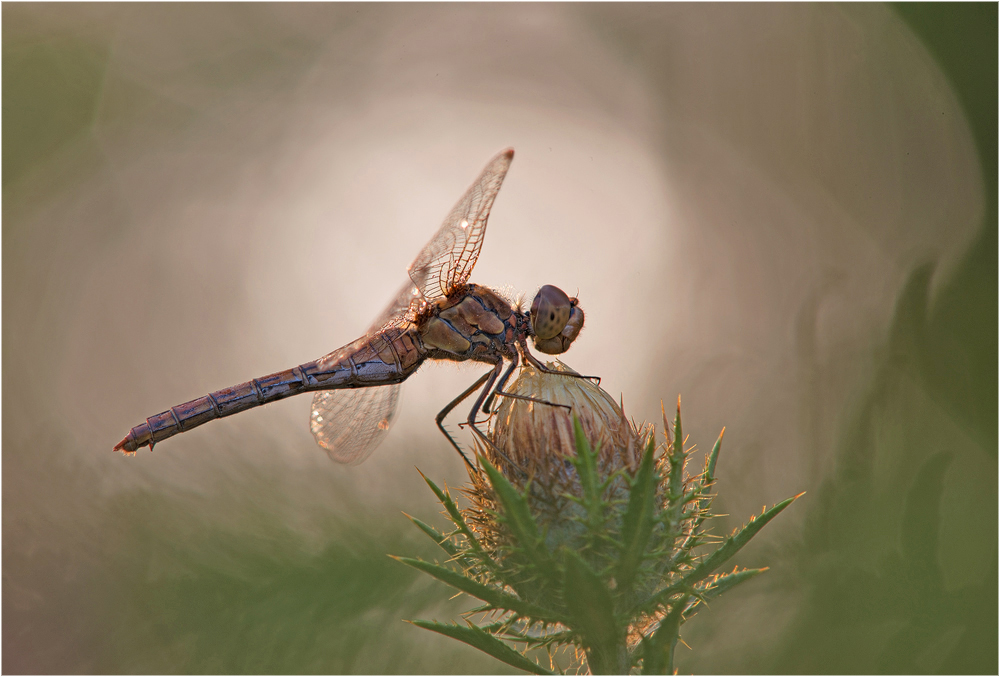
(534, 433)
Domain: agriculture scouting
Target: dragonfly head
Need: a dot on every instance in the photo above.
(556, 320)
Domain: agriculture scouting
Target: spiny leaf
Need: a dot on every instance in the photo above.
(444, 541)
(729, 547)
(488, 594)
(638, 521)
(675, 459)
(459, 521)
(436, 535)
(531, 640)
(713, 458)
(735, 543)
(586, 466)
(589, 603)
(727, 582)
(486, 643)
(658, 650)
(518, 518)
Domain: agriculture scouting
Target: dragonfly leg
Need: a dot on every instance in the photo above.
(454, 403)
(500, 384)
(498, 390)
(533, 399)
(487, 389)
(545, 370)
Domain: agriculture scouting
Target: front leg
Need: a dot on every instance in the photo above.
(533, 361)
(486, 392)
(498, 390)
(454, 403)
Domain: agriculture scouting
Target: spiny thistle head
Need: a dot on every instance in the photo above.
(534, 444)
(582, 532)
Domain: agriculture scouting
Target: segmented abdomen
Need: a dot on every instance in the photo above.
(382, 359)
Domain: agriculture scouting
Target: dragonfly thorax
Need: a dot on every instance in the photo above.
(473, 324)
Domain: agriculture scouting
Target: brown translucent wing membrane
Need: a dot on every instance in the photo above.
(351, 423)
(446, 261)
(398, 309)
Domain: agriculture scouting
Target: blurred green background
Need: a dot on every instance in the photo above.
(245, 551)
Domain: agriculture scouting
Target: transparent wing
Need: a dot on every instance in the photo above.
(395, 314)
(398, 308)
(447, 260)
(351, 423)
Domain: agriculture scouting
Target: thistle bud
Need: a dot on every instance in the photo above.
(582, 533)
(534, 445)
(537, 434)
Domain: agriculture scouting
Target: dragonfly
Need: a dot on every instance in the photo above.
(436, 315)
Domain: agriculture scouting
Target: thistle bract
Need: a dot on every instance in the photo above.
(582, 532)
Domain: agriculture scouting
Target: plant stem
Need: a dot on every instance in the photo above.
(610, 659)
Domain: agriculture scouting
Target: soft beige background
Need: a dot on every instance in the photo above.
(736, 193)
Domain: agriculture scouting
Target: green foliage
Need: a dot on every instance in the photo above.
(636, 567)
(485, 642)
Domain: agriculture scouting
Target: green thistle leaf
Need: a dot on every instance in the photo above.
(486, 643)
(436, 535)
(586, 467)
(713, 458)
(489, 594)
(735, 543)
(638, 521)
(658, 649)
(456, 517)
(728, 549)
(675, 475)
(518, 518)
(592, 614)
(726, 582)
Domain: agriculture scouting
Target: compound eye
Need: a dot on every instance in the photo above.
(560, 344)
(550, 312)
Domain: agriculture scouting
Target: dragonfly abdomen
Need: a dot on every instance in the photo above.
(383, 359)
(218, 404)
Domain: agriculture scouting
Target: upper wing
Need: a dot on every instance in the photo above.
(447, 260)
(398, 308)
(350, 423)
